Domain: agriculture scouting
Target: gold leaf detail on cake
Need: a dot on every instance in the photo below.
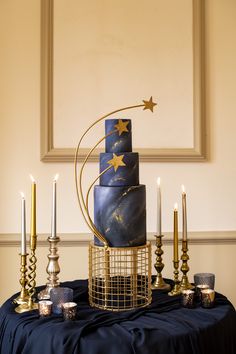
(121, 126)
(149, 104)
(117, 161)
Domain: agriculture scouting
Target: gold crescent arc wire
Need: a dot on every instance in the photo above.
(87, 195)
(102, 239)
(76, 161)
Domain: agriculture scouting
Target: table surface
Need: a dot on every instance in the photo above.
(164, 327)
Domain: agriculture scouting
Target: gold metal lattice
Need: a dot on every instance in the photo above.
(119, 278)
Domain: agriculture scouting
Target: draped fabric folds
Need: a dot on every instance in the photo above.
(164, 327)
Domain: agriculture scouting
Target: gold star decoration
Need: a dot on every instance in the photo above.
(116, 161)
(149, 104)
(122, 126)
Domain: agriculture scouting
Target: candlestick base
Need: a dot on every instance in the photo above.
(159, 283)
(45, 293)
(176, 289)
(185, 284)
(22, 298)
(29, 306)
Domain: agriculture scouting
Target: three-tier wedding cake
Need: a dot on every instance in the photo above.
(119, 199)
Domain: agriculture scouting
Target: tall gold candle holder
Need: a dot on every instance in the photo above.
(176, 289)
(53, 268)
(185, 284)
(159, 282)
(24, 295)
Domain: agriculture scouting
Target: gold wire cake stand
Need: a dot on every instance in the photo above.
(119, 278)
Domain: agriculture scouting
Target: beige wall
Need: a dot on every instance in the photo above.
(210, 185)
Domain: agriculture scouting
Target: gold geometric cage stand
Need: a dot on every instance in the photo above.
(119, 278)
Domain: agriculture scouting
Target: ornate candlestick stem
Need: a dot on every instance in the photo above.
(159, 283)
(53, 268)
(24, 295)
(184, 284)
(32, 268)
(176, 289)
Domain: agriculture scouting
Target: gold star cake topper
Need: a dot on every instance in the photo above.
(117, 161)
(149, 104)
(121, 126)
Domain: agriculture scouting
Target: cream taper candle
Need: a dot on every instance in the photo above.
(158, 206)
(23, 225)
(184, 211)
(33, 208)
(54, 207)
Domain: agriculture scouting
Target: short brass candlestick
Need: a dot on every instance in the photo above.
(176, 289)
(159, 282)
(185, 284)
(53, 268)
(24, 295)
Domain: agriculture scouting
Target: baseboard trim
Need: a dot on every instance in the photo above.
(83, 239)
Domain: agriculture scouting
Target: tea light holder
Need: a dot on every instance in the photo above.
(69, 310)
(208, 298)
(205, 278)
(59, 296)
(199, 289)
(45, 308)
(187, 298)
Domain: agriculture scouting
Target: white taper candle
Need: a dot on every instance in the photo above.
(23, 225)
(158, 206)
(54, 207)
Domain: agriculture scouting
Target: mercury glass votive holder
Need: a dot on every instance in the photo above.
(187, 298)
(204, 278)
(69, 310)
(59, 296)
(45, 308)
(208, 298)
(199, 289)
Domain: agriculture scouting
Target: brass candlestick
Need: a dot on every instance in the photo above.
(24, 295)
(184, 284)
(159, 282)
(176, 289)
(53, 268)
(30, 305)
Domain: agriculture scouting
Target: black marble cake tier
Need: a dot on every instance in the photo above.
(124, 176)
(115, 142)
(120, 215)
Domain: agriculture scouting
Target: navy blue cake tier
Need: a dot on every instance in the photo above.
(127, 175)
(115, 142)
(120, 215)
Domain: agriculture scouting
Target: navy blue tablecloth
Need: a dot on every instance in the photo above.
(164, 327)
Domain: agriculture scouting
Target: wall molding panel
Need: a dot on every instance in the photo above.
(83, 239)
